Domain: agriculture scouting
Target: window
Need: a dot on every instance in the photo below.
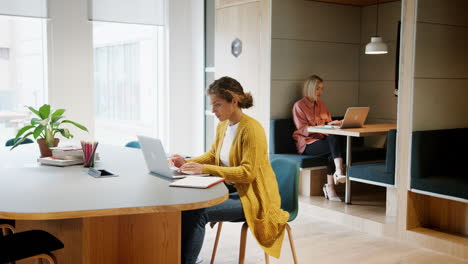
(126, 78)
(23, 76)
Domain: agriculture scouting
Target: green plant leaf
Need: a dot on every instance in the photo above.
(44, 122)
(55, 121)
(22, 130)
(35, 121)
(65, 132)
(76, 124)
(17, 143)
(34, 111)
(37, 132)
(57, 115)
(44, 111)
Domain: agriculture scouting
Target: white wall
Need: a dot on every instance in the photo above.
(186, 76)
(70, 62)
(71, 70)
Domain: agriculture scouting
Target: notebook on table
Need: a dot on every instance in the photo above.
(197, 182)
(354, 118)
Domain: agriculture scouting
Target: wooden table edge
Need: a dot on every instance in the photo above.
(114, 211)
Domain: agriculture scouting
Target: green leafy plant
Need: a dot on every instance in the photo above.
(46, 125)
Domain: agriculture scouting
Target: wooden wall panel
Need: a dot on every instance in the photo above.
(379, 96)
(440, 104)
(295, 60)
(248, 21)
(376, 67)
(338, 96)
(451, 12)
(377, 72)
(315, 21)
(441, 51)
(389, 15)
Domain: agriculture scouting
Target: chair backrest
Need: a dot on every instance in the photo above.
(11, 142)
(281, 140)
(287, 176)
(391, 150)
(133, 144)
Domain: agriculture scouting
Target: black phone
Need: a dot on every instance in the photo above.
(100, 173)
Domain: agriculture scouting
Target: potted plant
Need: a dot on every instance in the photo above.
(44, 127)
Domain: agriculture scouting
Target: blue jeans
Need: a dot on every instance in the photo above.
(193, 224)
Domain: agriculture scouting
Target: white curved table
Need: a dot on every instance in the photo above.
(133, 218)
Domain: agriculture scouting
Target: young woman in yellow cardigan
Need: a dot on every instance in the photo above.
(239, 154)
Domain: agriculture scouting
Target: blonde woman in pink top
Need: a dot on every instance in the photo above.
(310, 111)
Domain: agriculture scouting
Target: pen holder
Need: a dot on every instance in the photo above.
(89, 152)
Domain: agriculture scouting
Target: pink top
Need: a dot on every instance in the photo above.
(305, 114)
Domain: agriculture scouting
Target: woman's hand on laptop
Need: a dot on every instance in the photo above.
(176, 160)
(192, 167)
(335, 123)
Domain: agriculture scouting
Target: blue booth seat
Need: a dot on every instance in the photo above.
(383, 172)
(282, 145)
(436, 157)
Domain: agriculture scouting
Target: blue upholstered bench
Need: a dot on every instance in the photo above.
(381, 173)
(436, 156)
(282, 145)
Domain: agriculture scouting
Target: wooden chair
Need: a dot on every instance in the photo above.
(7, 227)
(33, 244)
(287, 175)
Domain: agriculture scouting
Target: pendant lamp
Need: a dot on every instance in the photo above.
(376, 46)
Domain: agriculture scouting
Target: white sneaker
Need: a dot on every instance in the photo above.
(199, 260)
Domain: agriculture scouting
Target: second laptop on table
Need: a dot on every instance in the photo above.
(354, 118)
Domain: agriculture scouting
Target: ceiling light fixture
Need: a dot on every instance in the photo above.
(376, 46)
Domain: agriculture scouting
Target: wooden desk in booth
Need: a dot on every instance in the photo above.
(366, 130)
(133, 218)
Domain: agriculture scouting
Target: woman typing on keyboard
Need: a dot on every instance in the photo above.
(239, 154)
(310, 111)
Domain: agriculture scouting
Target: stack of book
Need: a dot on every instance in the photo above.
(64, 156)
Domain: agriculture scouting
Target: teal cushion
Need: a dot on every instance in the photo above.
(304, 161)
(451, 185)
(435, 159)
(376, 172)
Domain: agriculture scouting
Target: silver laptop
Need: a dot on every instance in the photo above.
(156, 159)
(354, 118)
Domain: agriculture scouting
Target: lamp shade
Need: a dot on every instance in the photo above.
(376, 46)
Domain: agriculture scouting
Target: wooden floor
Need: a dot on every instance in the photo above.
(324, 242)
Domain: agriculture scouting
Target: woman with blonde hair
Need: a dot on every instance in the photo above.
(239, 154)
(310, 111)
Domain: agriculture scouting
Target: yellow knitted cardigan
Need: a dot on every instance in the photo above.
(255, 181)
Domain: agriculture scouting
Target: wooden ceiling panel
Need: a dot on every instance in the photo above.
(355, 2)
